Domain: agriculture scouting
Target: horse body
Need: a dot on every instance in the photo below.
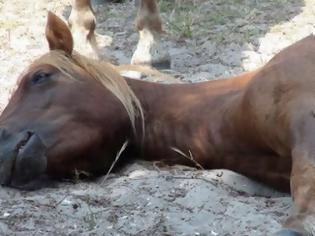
(208, 122)
(70, 113)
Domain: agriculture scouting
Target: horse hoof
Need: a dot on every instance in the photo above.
(162, 64)
(158, 63)
(156, 56)
(288, 232)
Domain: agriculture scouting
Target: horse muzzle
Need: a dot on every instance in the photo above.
(22, 158)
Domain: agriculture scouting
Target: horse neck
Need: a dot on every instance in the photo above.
(201, 119)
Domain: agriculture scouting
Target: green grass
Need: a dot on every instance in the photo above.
(180, 18)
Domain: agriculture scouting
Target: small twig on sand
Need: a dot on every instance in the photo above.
(190, 157)
(123, 147)
(60, 201)
(155, 166)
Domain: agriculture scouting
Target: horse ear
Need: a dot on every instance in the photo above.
(58, 34)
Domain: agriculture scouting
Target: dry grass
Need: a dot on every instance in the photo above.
(189, 157)
(122, 149)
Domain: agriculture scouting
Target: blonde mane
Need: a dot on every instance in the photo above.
(102, 72)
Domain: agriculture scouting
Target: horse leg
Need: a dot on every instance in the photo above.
(302, 219)
(303, 190)
(149, 50)
(82, 23)
(302, 181)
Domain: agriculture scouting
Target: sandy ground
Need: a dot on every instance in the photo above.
(207, 40)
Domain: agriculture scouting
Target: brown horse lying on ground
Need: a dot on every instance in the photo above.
(70, 113)
(149, 51)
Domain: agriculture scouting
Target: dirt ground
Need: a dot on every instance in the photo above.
(207, 40)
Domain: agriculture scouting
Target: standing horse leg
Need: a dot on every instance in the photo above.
(82, 23)
(149, 50)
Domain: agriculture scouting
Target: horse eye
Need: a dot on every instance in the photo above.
(40, 77)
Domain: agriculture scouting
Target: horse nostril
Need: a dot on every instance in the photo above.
(3, 133)
(26, 136)
(29, 134)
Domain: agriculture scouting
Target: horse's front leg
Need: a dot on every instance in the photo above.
(82, 23)
(149, 50)
(82, 19)
(302, 218)
(303, 189)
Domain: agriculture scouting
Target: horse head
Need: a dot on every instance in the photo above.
(68, 113)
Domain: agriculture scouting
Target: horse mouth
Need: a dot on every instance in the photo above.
(22, 160)
(21, 145)
(19, 149)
